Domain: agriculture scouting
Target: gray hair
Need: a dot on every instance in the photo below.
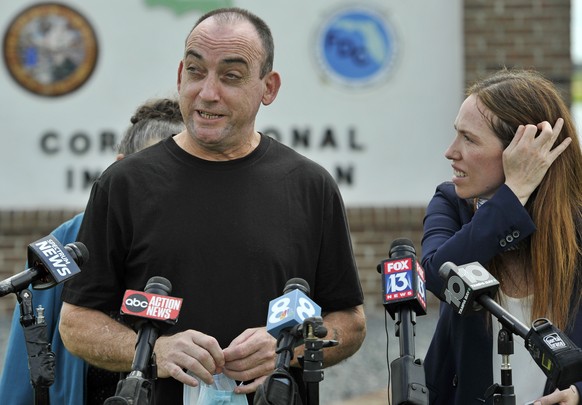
(153, 121)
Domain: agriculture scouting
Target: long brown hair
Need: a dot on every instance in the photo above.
(553, 253)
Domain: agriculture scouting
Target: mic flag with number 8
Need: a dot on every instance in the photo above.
(292, 308)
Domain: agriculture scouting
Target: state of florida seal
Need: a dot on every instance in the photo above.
(50, 49)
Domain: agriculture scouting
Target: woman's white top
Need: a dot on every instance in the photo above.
(528, 379)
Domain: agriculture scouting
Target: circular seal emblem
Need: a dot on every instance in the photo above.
(356, 46)
(50, 49)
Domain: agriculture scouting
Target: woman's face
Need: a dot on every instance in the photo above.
(476, 153)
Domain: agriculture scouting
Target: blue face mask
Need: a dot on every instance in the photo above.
(211, 396)
(219, 393)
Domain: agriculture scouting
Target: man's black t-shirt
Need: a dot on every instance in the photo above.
(228, 235)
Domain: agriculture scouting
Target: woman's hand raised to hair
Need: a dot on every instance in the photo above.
(528, 157)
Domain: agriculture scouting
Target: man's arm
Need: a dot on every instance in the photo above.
(108, 344)
(251, 356)
(348, 328)
(97, 338)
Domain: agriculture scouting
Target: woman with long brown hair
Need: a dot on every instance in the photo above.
(515, 206)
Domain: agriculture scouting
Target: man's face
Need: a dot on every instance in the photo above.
(219, 84)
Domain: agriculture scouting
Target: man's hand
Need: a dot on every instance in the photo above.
(189, 351)
(250, 356)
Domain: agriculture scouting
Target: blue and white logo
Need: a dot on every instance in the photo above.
(356, 47)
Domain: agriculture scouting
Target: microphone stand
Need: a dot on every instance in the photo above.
(312, 359)
(408, 379)
(562, 367)
(280, 387)
(503, 393)
(555, 354)
(137, 388)
(41, 360)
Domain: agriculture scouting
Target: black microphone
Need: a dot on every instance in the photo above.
(404, 297)
(51, 263)
(286, 316)
(470, 287)
(403, 279)
(149, 330)
(155, 311)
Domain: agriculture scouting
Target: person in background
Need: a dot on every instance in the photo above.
(515, 206)
(153, 121)
(228, 216)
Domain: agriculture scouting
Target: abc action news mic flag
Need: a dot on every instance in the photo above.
(153, 303)
(51, 263)
(153, 309)
(403, 279)
(469, 288)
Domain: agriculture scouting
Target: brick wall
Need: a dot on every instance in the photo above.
(518, 33)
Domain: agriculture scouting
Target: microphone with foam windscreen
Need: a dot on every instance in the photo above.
(470, 288)
(51, 263)
(285, 318)
(403, 279)
(157, 311)
(154, 311)
(404, 297)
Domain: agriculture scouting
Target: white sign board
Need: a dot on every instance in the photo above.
(370, 90)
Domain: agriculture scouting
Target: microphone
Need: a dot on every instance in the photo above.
(404, 294)
(155, 311)
(51, 264)
(292, 308)
(469, 288)
(153, 303)
(285, 319)
(158, 309)
(403, 279)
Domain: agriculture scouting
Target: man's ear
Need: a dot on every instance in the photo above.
(272, 86)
